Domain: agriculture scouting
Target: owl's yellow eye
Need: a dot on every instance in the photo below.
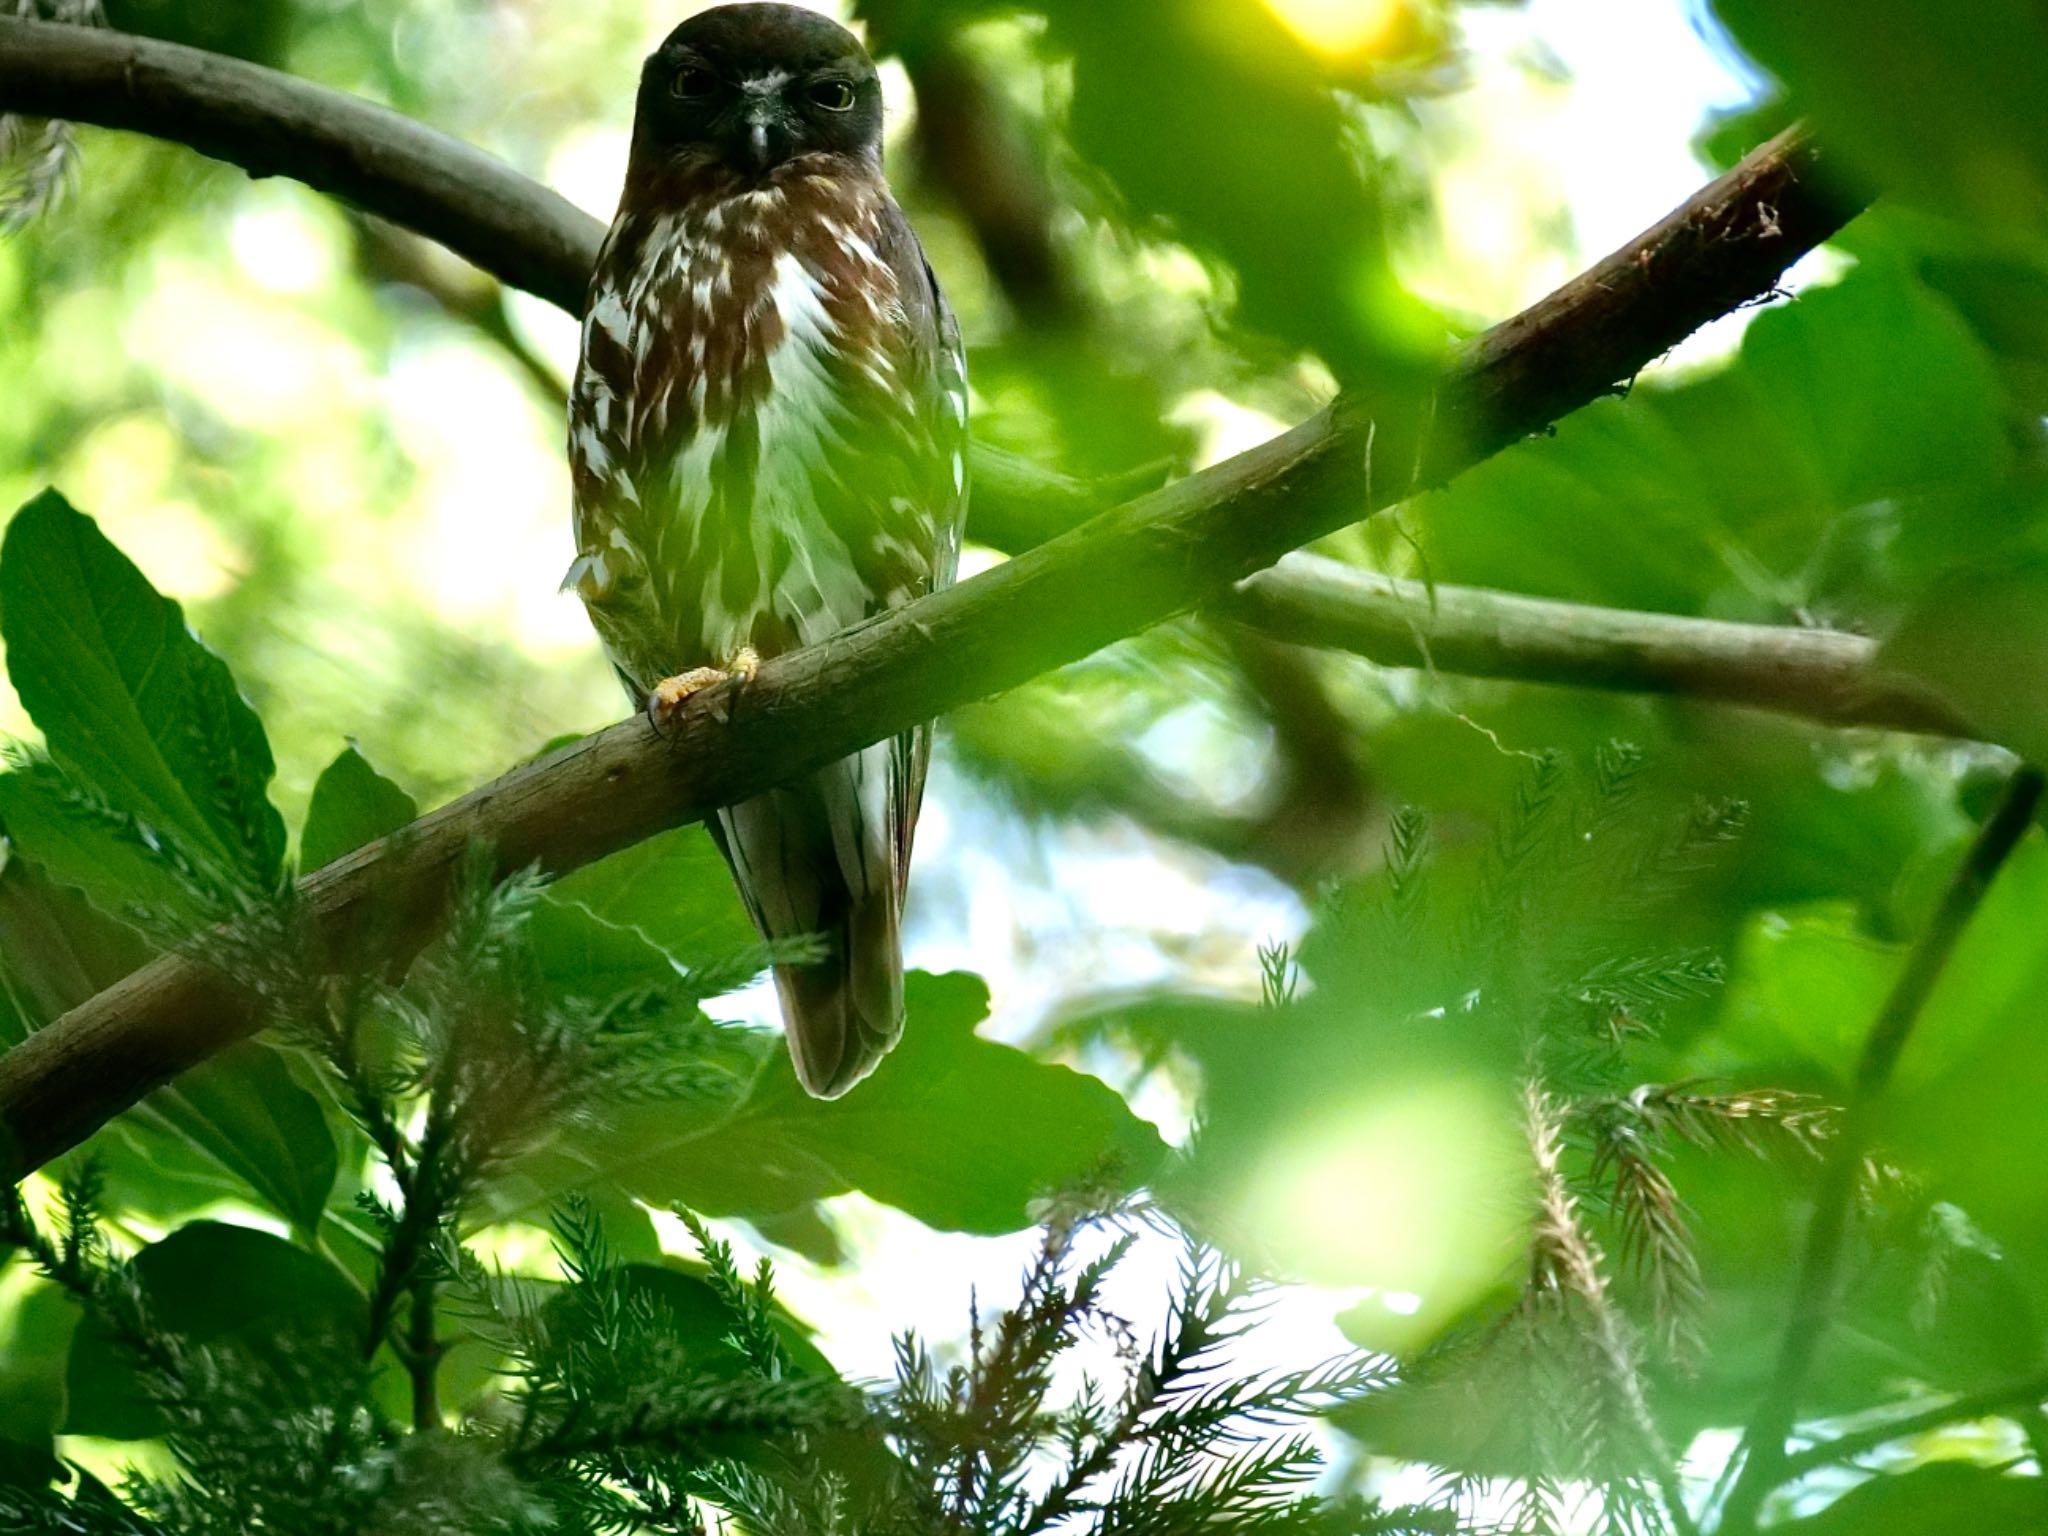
(833, 95)
(693, 82)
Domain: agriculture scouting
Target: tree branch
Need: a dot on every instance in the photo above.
(1121, 572)
(1818, 674)
(271, 124)
(2008, 1398)
(402, 171)
(1813, 1299)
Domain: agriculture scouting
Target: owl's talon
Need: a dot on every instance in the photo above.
(666, 699)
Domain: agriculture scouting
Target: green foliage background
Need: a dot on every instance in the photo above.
(1568, 978)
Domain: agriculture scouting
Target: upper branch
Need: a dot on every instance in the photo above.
(1116, 574)
(271, 124)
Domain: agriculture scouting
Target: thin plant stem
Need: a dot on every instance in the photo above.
(1765, 1465)
(2013, 1399)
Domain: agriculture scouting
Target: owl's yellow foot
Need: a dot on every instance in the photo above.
(666, 699)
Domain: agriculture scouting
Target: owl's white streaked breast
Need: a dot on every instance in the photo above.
(790, 351)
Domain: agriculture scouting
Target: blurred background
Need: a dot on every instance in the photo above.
(1170, 229)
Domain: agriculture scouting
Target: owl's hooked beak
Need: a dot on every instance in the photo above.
(765, 137)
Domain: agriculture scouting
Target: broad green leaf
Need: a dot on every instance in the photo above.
(1945, 1498)
(1979, 640)
(704, 1324)
(675, 889)
(42, 813)
(593, 958)
(962, 1133)
(805, 1230)
(252, 1125)
(1826, 369)
(28, 1464)
(1803, 989)
(55, 950)
(596, 961)
(1789, 479)
(1940, 103)
(1807, 986)
(236, 1124)
(35, 1335)
(128, 699)
(234, 1288)
(1158, 88)
(1961, 1112)
(352, 804)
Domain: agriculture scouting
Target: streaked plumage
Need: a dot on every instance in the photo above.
(767, 437)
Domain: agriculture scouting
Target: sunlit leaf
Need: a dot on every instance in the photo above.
(960, 1132)
(128, 699)
(33, 1345)
(1795, 477)
(352, 804)
(674, 889)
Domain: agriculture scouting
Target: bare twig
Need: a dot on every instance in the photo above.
(1764, 1460)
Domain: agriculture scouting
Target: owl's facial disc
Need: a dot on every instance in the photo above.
(752, 87)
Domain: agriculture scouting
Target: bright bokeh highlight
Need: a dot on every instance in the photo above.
(1341, 29)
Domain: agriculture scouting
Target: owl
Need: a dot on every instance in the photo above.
(767, 444)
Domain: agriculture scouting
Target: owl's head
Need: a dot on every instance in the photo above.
(752, 87)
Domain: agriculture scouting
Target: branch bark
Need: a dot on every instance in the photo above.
(271, 124)
(1121, 572)
(1818, 674)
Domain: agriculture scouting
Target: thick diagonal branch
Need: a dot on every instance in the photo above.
(1113, 576)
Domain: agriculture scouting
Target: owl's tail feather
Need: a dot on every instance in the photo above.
(823, 856)
(844, 1013)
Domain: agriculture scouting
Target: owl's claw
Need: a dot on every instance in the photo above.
(666, 699)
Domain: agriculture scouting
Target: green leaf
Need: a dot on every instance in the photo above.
(28, 1465)
(1157, 88)
(352, 804)
(1939, 103)
(962, 1133)
(55, 950)
(1980, 640)
(1804, 988)
(128, 699)
(698, 1319)
(244, 1292)
(237, 1124)
(42, 814)
(34, 1340)
(252, 1125)
(674, 889)
(1946, 1498)
(1793, 477)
